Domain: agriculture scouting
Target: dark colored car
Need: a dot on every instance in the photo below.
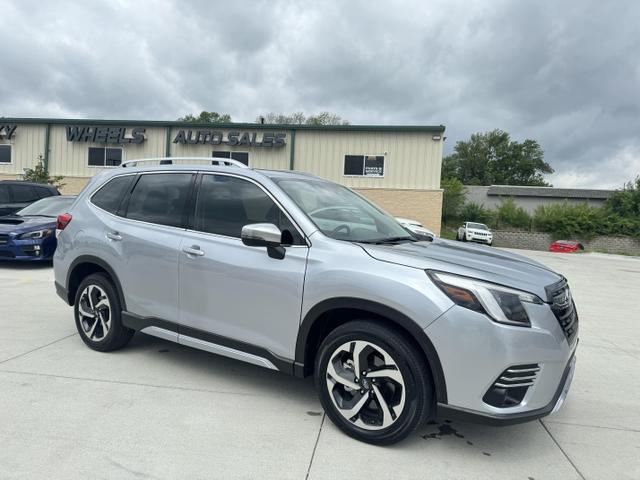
(565, 246)
(16, 194)
(30, 233)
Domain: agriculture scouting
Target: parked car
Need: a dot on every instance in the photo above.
(297, 274)
(417, 229)
(16, 194)
(565, 246)
(29, 234)
(475, 232)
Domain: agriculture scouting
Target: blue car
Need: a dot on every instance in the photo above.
(30, 233)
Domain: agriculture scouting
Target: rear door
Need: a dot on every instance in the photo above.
(5, 200)
(146, 234)
(233, 291)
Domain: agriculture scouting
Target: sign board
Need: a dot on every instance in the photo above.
(97, 134)
(233, 139)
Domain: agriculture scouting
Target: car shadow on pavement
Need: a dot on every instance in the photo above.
(26, 265)
(219, 372)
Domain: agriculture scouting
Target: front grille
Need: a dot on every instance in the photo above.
(4, 239)
(565, 311)
(512, 385)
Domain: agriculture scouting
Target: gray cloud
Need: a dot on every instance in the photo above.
(564, 73)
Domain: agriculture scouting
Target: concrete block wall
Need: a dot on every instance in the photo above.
(541, 241)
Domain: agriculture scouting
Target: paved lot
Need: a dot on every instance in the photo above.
(160, 410)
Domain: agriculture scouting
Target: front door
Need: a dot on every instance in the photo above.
(234, 291)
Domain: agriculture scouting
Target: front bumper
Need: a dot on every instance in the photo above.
(475, 352)
(496, 419)
(471, 237)
(27, 250)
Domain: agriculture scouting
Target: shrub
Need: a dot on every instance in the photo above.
(39, 174)
(474, 212)
(571, 221)
(508, 214)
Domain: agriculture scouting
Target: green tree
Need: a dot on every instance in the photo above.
(492, 158)
(626, 202)
(299, 118)
(207, 117)
(39, 174)
(452, 199)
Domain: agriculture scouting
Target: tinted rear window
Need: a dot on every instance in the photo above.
(23, 193)
(160, 198)
(109, 196)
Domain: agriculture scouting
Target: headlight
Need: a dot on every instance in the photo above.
(502, 304)
(35, 235)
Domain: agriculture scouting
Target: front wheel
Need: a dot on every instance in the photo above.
(373, 382)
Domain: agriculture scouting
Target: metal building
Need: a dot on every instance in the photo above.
(397, 167)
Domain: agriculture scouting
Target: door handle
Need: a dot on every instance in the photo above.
(193, 250)
(115, 236)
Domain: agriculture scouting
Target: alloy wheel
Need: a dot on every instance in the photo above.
(94, 311)
(365, 385)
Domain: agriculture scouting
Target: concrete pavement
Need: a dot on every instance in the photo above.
(160, 410)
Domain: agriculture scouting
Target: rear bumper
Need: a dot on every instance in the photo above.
(63, 293)
(456, 413)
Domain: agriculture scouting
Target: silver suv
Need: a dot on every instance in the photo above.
(297, 274)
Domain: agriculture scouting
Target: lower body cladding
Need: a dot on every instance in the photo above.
(502, 374)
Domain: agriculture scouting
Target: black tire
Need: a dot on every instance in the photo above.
(418, 400)
(117, 335)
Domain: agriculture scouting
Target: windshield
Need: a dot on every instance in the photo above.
(477, 226)
(342, 214)
(47, 207)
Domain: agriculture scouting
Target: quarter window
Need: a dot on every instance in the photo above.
(160, 198)
(239, 156)
(5, 153)
(104, 157)
(110, 195)
(364, 165)
(226, 204)
(43, 192)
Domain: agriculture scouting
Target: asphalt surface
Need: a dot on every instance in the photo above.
(159, 410)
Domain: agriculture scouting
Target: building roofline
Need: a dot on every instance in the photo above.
(255, 126)
(555, 192)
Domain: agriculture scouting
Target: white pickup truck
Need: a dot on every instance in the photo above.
(474, 232)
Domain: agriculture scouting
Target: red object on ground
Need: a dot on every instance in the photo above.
(565, 246)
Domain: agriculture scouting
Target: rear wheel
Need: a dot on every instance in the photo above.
(372, 382)
(98, 314)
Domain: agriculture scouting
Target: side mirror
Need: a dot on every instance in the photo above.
(264, 235)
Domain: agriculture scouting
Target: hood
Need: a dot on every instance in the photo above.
(477, 261)
(15, 224)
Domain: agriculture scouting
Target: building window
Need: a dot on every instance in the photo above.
(364, 165)
(242, 157)
(5, 153)
(105, 157)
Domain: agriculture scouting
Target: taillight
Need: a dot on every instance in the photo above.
(63, 221)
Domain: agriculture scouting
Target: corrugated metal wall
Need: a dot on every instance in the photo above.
(413, 160)
(71, 158)
(27, 143)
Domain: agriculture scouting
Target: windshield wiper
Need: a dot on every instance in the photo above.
(390, 240)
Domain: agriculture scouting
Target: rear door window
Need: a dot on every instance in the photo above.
(4, 194)
(160, 198)
(110, 196)
(23, 193)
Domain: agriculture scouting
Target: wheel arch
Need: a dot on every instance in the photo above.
(330, 313)
(86, 265)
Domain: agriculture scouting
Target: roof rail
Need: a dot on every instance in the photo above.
(170, 160)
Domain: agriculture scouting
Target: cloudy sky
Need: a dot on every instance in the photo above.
(566, 73)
